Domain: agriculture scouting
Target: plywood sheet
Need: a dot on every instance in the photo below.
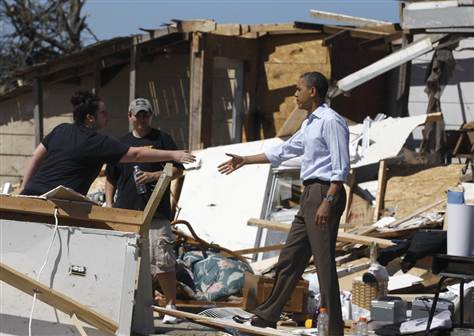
(218, 206)
(300, 53)
(410, 192)
(281, 75)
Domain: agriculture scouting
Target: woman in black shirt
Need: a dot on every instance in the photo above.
(73, 154)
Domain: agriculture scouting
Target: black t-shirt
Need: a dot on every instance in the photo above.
(74, 159)
(121, 174)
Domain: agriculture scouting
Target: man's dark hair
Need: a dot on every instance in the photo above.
(84, 103)
(317, 80)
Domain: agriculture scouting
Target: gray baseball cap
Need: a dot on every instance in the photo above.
(140, 104)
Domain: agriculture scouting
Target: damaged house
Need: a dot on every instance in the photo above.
(407, 92)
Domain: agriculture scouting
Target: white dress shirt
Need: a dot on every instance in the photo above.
(323, 141)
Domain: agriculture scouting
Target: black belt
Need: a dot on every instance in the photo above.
(315, 180)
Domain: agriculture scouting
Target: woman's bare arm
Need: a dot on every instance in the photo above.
(38, 156)
(144, 154)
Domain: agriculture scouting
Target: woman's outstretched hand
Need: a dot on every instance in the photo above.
(234, 163)
(184, 157)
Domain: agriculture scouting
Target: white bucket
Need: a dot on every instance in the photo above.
(460, 219)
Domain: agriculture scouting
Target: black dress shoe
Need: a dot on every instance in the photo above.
(257, 321)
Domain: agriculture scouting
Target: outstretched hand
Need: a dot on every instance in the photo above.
(234, 163)
(184, 157)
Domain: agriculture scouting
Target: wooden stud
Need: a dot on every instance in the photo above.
(349, 187)
(56, 299)
(221, 324)
(78, 325)
(133, 71)
(292, 123)
(200, 93)
(156, 196)
(38, 110)
(382, 184)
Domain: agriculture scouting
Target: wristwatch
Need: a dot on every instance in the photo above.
(329, 198)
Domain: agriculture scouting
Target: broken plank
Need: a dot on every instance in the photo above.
(342, 236)
(364, 240)
(261, 28)
(196, 25)
(78, 325)
(382, 184)
(269, 225)
(70, 209)
(387, 63)
(358, 21)
(56, 299)
(292, 123)
(157, 195)
(225, 324)
(229, 29)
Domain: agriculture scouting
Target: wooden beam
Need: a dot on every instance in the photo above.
(262, 28)
(342, 236)
(38, 110)
(364, 240)
(270, 225)
(56, 299)
(133, 72)
(382, 185)
(343, 34)
(97, 77)
(71, 210)
(387, 63)
(78, 325)
(292, 123)
(349, 188)
(221, 324)
(156, 196)
(358, 21)
(260, 249)
(196, 25)
(200, 93)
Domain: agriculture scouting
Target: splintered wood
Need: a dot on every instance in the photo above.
(410, 192)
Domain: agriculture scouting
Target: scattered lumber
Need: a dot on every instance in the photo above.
(344, 237)
(372, 228)
(220, 324)
(56, 299)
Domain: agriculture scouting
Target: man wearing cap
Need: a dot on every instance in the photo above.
(120, 178)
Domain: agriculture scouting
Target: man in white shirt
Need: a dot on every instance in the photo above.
(323, 143)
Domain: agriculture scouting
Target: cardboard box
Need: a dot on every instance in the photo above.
(258, 288)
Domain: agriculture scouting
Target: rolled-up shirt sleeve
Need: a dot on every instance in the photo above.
(336, 135)
(291, 148)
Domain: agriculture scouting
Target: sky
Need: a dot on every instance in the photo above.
(113, 18)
